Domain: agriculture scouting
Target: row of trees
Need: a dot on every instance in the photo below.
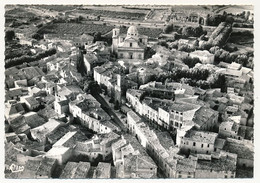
(215, 20)
(245, 60)
(194, 74)
(27, 59)
(220, 35)
(187, 31)
(202, 78)
(219, 81)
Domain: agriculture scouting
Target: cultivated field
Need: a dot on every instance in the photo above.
(160, 15)
(78, 29)
(19, 12)
(113, 14)
(117, 8)
(235, 9)
(74, 28)
(60, 8)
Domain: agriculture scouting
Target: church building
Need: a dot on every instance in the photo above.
(129, 46)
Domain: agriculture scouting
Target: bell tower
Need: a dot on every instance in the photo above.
(115, 39)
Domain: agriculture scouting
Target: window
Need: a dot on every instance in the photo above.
(179, 176)
(194, 143)
(140, 40)
(208, 145)
(187, 143)
(171, 122)
(189, 176)
(131, 44)
(225, 176)
(201, 145)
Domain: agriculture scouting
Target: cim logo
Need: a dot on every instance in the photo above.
(16, 168)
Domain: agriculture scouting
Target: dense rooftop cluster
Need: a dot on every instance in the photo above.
(113, 105)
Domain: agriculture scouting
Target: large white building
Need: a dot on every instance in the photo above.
(129, 46)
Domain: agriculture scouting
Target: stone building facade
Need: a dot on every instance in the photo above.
(129, 46)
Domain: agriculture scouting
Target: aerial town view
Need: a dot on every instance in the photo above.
(129, 91)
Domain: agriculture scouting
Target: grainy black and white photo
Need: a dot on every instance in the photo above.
(128, 91)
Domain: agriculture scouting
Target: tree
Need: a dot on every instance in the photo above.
(247, 15)
(214, 49)
(205, 45)
(188, 31)
(191, 62)
(149, 52)
(242, 59)
(163, 43)
(168, 29)
(97, 36)
(80, 18)
(116, 107)
(198, 31)
(224, 56)
(185, 48)
(37, 36)
(9, 35)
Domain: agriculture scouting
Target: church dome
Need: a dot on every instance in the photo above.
(132, 31)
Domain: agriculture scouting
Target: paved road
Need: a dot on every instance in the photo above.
(105, 106)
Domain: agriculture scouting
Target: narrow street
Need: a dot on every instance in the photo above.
(105, 106)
